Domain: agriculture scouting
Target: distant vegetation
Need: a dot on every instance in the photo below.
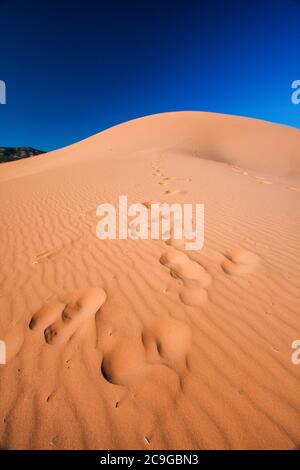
(11, 154)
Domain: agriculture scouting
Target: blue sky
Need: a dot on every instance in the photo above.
(74, 68)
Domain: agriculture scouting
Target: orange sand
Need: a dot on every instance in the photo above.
(140, 344)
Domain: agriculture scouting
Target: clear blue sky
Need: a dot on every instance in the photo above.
(73, 68)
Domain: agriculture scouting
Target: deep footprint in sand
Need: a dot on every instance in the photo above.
(195, 278)
(163, 342)
(193, 296)
(167, 341)
(239, 261)
(47, 315)
(182, 267)
(124, 362)
(73, 315)
(62, 320)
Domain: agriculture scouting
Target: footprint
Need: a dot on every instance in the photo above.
(166, 230)
(47, 315)
(73, 315)
(163, 342)
(193, 296)
(239, 170)
(167, 179)
(179, 244)
(262, 180)
(65, 319)
(125, 362)
(239, 261)
(45, 256)
(175, 191)
(148, 204)
(195, 278)
(236, 169)
(294, 188)
(182, 267)
(168, 341)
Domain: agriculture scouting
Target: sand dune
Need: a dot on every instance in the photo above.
(124, 344)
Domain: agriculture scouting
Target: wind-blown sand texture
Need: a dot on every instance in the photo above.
(141, 344)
